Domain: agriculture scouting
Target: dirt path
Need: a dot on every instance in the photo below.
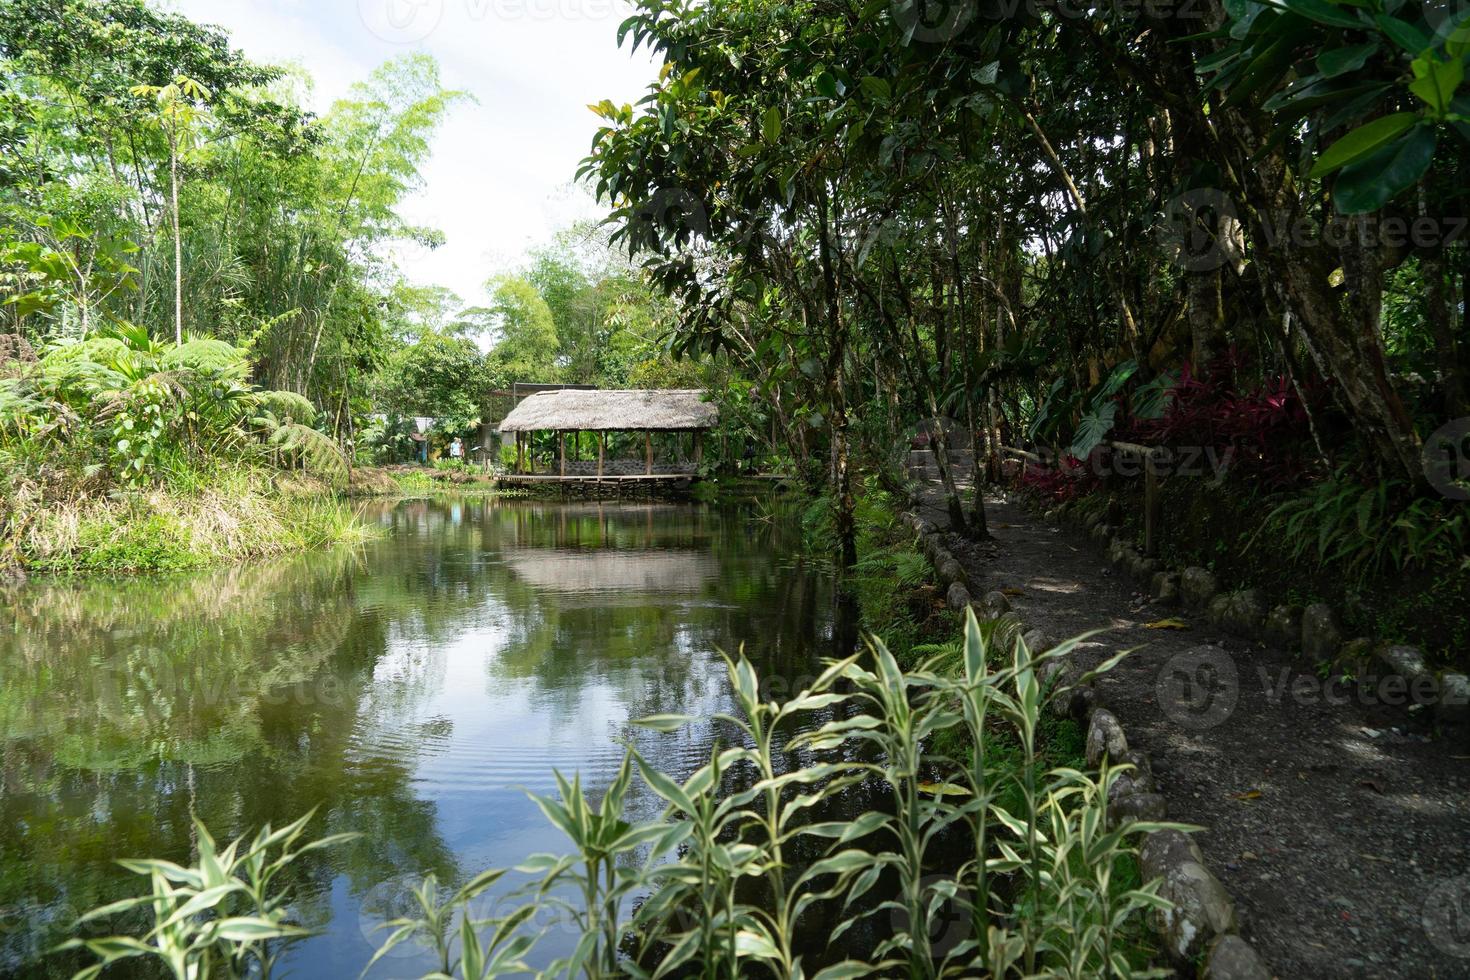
(1336, 827)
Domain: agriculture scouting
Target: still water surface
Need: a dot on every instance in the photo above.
(413, 691)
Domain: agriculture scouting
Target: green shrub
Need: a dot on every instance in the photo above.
(226, 916)
(136, 411)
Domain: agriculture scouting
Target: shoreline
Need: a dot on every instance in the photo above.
(243, 517)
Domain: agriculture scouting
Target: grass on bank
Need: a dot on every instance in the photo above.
(123, 452)
(233, 518)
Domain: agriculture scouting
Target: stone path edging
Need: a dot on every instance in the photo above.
(1202, 919)
(1397, 670)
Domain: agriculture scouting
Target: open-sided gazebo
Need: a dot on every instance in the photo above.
(670, 415)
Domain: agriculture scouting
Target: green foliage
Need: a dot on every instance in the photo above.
(226, 916)
(1047, 881)
(153, 174)
(1338, 69)
(233, 516)
(441, 377)
(527, 342)
(1366, 530)
(144, 412)
(433, 925)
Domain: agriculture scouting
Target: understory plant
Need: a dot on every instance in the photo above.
(962, 864)
(225, 916)
(120, 409)
(1367, 528)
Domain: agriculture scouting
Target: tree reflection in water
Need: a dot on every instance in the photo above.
(409, 690)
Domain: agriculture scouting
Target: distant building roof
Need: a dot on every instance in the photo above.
(602, 411)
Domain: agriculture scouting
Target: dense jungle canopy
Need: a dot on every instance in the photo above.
(1231, 226)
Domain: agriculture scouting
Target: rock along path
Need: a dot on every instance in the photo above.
(1336, 827)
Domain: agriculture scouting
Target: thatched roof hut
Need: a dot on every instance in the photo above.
(681, 410)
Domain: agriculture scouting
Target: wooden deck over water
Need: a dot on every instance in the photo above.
(520, 478)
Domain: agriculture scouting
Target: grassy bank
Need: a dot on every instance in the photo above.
(123, 452)
(235, 518)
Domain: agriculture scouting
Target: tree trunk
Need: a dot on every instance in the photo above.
(1206, 316)
(173, 161)
(1441, 316)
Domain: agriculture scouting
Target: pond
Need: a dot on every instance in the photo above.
(414, 691)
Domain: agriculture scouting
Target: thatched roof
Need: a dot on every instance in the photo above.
(601, 411)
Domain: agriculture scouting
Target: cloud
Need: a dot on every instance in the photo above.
(496, 182)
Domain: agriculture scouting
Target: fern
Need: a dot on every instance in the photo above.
(315, 450)
(18, 408)
(207, 355)
(285, 406)
(1361, 530)
(104, 351)
(911, 568)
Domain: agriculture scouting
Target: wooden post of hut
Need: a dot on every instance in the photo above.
(647, 453)
(601, 452)
(562, 437)
(698, 449)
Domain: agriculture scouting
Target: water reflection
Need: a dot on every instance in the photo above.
(412, 691)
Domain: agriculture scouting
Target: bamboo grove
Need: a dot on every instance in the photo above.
(155, 176)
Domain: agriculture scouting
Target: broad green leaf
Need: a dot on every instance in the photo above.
(1372, 183)
(1322, 12)
(1402, 33)
(1362, 141)
(1339, 61)
(1435, 81)
(771, 125)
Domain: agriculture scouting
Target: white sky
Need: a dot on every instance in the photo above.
(500, 177)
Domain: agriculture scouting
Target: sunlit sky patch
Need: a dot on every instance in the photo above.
(500, 178)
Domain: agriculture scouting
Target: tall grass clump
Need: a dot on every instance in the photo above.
(968, 863)
(121, 452)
